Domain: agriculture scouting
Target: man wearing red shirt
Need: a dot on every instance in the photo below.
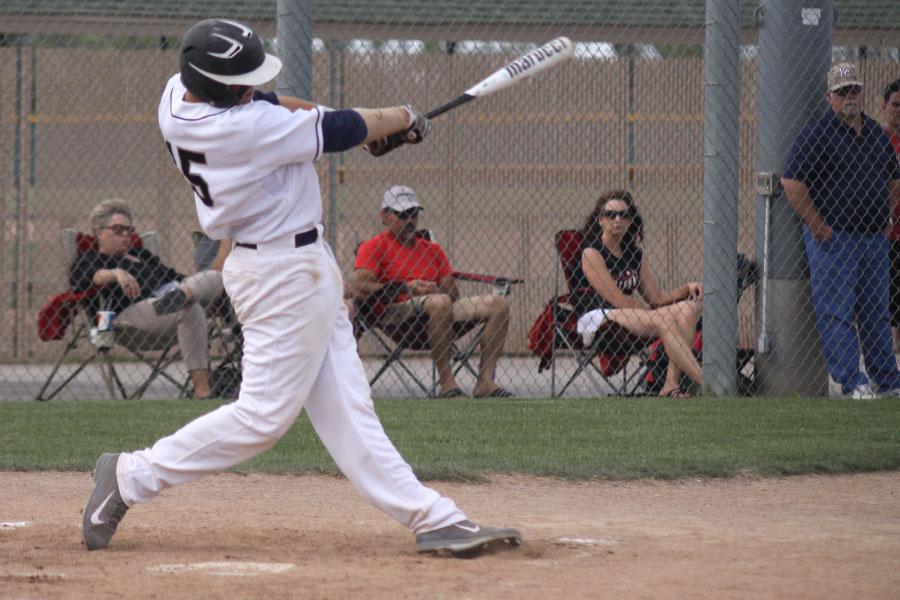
(891, 111)
(418, 276)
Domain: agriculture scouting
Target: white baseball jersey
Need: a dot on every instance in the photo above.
(250, 166)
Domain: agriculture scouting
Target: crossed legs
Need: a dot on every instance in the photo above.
(675, 326)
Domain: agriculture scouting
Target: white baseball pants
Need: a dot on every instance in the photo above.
(299, 351)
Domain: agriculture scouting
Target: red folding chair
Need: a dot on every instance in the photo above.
(615, 355)
(395, 341)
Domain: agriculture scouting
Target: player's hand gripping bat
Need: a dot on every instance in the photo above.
(550, 54)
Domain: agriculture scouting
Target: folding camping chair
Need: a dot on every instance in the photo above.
(396, 341)
(71, 309)
(615, 355)
(657, 361)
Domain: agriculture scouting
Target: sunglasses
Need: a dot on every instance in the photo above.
(847, 90)
(612, 214)
(120, 229)
(409, 213)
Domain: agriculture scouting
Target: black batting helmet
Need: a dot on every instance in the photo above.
(217, 53)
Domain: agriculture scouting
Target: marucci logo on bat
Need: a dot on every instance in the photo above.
(520, 65)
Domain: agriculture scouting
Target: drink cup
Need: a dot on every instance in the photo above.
(105, 320)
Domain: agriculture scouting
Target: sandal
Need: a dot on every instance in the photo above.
(675, 393)
(498, 392)
(453, 393)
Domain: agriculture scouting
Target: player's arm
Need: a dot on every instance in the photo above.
(381, 122)
(295, 104)
(396, 125)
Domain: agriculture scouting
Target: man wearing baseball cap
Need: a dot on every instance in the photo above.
(843, 180)
(413, 275)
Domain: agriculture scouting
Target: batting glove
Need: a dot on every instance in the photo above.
(382, 146)
(419, 126)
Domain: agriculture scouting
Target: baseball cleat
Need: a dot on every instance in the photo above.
(466, 538)
(105, 508)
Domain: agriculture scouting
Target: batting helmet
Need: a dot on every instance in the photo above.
(217, 53)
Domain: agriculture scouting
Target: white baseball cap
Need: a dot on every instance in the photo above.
(400, 198)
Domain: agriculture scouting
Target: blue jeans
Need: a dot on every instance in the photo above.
(850, 276)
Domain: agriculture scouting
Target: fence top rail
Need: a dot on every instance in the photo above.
(606, 16)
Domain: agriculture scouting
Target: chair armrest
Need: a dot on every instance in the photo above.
(502, 285)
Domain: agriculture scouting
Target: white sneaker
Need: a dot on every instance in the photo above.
(893, 393)
(862, 392)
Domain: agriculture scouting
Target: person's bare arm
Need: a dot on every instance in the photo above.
(126, 280)
(295, 104)
(800, 200)
(654, 296)
(895, 195)
(448, 286)
(598, 275)
(363, 284)
(382, 122)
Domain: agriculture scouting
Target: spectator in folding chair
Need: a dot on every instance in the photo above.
(612, 269)
(153, 303)
(420, 277)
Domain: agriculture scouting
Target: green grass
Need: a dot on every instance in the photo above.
(617, 438)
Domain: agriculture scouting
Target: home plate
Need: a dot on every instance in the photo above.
(585, 541)
(14, 524)
(224, 569)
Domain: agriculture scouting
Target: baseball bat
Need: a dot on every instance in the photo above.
(550, 54)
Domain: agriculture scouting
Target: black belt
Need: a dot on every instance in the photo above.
(304, 238)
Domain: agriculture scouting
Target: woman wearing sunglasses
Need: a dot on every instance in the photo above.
(153, 303)
(613, 268)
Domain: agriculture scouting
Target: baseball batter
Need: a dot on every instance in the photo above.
(249, 158)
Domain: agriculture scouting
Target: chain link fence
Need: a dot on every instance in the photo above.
(499, 178)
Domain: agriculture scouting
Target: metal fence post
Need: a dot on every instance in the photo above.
(294, 31)
(721, 107)
(794, 56)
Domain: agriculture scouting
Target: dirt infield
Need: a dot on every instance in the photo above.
(261, 536)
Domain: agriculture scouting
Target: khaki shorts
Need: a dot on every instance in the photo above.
(464, 309)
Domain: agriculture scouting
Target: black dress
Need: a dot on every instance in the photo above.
(625, 271)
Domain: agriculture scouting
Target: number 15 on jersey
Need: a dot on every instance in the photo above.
(183, 162)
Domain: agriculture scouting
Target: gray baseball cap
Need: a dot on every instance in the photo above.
(400, 198)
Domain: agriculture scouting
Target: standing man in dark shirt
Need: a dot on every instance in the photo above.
(153, 302)
(843, 179)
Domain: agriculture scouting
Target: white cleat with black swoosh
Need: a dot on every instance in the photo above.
(105, 508)
(466, 539)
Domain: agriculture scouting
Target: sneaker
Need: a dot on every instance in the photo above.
(105, 508)
(862, 392)
(465, 538)
(171, 302)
